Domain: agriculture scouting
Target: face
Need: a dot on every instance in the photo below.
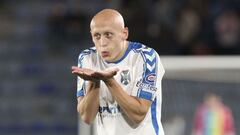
(109, 39)
(213, 101)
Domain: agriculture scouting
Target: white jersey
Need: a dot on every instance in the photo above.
(140, 76)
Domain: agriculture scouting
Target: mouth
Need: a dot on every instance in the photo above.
(105, 54)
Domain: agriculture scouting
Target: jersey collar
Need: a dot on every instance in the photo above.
(125, 54)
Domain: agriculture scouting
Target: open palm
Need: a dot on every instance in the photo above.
(91, 75)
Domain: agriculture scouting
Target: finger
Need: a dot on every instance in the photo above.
(77, 72)
(115, 69)
(82, 75)
(78, 69)
(87, 77)
(74, 67)
(114, 72)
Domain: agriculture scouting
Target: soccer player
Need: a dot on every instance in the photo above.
(119, 82)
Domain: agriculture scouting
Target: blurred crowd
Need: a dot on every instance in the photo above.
(172, 27)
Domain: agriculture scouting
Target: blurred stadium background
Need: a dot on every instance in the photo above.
(40, 40)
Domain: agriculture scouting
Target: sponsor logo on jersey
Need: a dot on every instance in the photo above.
(146, 86)
(125, 77)
(109, 109)
(150, 78)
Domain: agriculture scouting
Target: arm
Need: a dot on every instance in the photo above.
(135, 108)
(88, 105)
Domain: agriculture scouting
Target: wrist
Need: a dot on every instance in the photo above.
(108, 81)
(95, 84)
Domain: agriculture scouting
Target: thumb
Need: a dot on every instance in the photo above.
(115, 70)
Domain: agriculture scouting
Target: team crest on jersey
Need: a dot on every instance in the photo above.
(125, 77)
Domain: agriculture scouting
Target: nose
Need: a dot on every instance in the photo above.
(103, 42)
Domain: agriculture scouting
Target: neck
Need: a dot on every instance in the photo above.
(124, 48)
(123, 51)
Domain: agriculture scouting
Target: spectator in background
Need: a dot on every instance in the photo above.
(213, 117)
(188, 27)
(66, 27)
(161, 28)
(56, 23)
(227, 32)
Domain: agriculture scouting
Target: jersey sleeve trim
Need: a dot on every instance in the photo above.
(80, 93)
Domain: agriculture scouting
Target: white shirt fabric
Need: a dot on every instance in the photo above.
(140, 75)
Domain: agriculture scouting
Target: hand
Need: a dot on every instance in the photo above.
(84, 73)
(91, 75)
(106, 74)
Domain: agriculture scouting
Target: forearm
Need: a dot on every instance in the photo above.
(131, 106)
(88, 105)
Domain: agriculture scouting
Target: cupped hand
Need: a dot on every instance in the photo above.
(106, 74)
(91, 75)
(84, 73)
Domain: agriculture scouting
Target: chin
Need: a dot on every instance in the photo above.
(108, 60)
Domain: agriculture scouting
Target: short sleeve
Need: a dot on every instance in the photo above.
(148, 75)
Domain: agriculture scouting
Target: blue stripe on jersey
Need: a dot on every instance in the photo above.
(145, 95)
(136, 46)
(150, 68)
(80, 93)
(154, 116)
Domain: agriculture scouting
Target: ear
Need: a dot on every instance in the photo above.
(125, 33)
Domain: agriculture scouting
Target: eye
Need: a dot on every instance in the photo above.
(97, 36)
(108, 34)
